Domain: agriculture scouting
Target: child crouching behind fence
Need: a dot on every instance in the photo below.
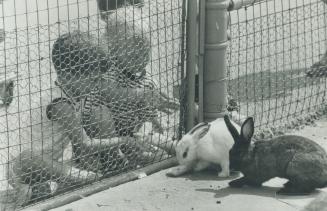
(116, 99)
(124, 104)
(32, 171)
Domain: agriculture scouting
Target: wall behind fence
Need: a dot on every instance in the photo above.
(273, 45)
(27, 55)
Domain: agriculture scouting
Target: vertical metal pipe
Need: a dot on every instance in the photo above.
(214, 79)
(182, 90)
(202, 6)
(191, 43)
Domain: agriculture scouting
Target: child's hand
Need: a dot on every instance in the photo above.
(157, 100)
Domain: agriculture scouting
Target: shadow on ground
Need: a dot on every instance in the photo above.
(268, 85)
(221, 192)
(264, 191)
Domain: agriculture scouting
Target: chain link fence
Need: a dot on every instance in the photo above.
(90, 88)
(277, 62)
(88, 92)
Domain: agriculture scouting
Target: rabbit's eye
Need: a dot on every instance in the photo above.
(185, 154)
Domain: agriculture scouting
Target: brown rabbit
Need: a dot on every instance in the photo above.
(296, 158)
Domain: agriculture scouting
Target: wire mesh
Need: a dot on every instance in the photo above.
(274, 50)
(88, 92)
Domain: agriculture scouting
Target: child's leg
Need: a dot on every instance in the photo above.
(33, 167)
(40, 166)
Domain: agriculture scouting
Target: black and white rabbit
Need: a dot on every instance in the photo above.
(296, 158)
(204, 145)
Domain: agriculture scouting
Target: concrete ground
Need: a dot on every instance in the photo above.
(199, 191)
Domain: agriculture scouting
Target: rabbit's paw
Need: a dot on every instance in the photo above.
(177, 171)
(238, 183)
(291, 192)
(294, 189)
(223, 174)
(224, 169)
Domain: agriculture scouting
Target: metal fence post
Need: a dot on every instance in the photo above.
(191, 60)
(202, 12)
(214, 79)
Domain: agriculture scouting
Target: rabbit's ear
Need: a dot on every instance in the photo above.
(200, 131)
(233, 131)
(247, 129)
(196, 127)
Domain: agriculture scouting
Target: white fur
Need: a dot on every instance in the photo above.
(212, 148)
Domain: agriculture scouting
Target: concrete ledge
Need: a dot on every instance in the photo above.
(102, 185)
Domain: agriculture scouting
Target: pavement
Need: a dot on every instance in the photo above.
(202, 191)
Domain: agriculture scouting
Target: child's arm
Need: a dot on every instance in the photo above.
(112, 91)
(69, 122)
